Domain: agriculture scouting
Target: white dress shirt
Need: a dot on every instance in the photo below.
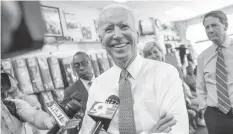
(156, 89)
(206, 73)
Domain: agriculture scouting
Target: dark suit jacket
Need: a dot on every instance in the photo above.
(78, 86)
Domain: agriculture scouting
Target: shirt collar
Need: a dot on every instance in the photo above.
(133, 68)
(227, 43)
(87, 81)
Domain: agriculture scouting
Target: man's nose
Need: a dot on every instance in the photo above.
(117, 33)
(81, 67)
(210, 30)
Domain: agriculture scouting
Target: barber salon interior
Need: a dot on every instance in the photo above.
(49, 33)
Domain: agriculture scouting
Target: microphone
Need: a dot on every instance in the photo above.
(102, 113)
(69, 108)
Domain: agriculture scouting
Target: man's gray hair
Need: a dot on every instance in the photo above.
(218, 14)
(112, 6)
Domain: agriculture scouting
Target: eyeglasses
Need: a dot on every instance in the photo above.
(84, 64)
(5, 82)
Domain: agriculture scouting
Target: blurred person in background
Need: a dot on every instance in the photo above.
(15, 93)
(83, 68)
(15, 112)
(152, 50)
(214, 82)
(11, 16)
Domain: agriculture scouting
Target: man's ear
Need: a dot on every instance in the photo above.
(100, 39)
(103, 46)
(226, 27)
(138, 36)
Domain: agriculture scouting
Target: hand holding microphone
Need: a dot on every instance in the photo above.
(62, 113)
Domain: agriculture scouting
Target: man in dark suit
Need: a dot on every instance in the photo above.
(82, 66)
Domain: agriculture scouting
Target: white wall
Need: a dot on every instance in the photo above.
(197, 31)
(67, 49)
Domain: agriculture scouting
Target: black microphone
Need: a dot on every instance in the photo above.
(103, 113)
(69, 108)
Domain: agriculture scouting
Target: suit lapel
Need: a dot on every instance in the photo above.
(82, 89)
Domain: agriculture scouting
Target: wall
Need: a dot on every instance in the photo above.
(68, 48)
(183, 25)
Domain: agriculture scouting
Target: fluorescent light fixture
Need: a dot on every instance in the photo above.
(178, 13)
(120, 1)
(176, 10)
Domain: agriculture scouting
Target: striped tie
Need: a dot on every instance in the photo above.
(126, 113)
(221, 84)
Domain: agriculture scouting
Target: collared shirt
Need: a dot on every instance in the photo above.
(86, 83)
(9, 123)
(206, 73)
(156, 89)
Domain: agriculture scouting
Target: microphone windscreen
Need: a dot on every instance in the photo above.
(79, 97)
(113, 99)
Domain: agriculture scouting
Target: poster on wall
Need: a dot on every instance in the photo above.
(73, 26)
(146, 27)
(89, 31)
(52, 21)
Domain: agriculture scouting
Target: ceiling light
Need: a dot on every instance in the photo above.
(176, 10)
(120, 1)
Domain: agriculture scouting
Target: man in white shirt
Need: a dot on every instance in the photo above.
(156, 87)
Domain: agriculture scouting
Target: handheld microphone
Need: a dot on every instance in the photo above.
(102, 113)
(71, 108)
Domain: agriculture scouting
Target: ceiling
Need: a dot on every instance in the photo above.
(165, 10)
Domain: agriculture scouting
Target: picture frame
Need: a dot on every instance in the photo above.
(52, 20)
(146, 27)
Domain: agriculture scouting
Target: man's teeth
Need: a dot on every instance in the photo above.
(120, 45)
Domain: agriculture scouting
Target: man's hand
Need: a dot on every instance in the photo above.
(164, 124)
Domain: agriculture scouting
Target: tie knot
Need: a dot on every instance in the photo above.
(124, 74)
(219, 48)
(89, 83)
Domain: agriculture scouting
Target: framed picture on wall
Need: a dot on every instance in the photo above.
(73, 25)
(146, 27)
(89, 31)
(51, 17)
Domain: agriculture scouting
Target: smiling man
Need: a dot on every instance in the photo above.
(151, 99)
(214, 82)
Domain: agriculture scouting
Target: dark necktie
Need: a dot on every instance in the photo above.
(221, 83)
(126, 113)
(89, 83)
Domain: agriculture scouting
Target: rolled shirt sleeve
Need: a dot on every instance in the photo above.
(173, 102)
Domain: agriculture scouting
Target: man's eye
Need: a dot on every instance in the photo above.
(108, 30)
(125, 27)
(214, 25)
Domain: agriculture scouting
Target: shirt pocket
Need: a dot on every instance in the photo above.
(210, 72)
